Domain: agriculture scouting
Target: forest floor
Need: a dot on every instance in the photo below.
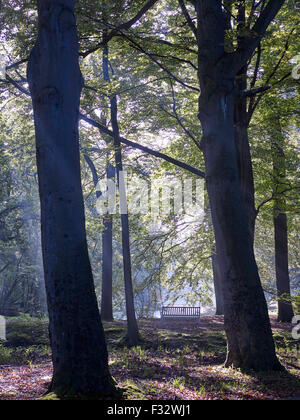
(175, 361)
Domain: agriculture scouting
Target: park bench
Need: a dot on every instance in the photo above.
(180, 312)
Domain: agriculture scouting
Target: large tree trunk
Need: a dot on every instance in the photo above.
(244, 162)
(79, 354)
(249, 336)
(250, 343)
(241, 124)
(285, 308)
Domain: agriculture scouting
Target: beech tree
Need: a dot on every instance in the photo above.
(79, 354)
(226, 39)
(252, 86)
(249, 336)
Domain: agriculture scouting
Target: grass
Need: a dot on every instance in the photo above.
(27, 342)
(27, 332)
(168, 364)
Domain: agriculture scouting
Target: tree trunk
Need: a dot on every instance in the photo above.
(249, 336)
(245, 172)
(107, 270)
(107, 253)
(107, 261)
(133, 336)
(80, 361)
(250, 343)
(244, 161)
(241, 123)
(217, 273)
(285, 308)
(132, 327)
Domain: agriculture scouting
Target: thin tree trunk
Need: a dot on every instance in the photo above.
(285, 308)
(217, 273)
(107, 253)
(107, 260)
(107, 269)
(133, 336)
(79, 354)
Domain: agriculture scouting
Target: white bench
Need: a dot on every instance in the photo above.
(180, 312)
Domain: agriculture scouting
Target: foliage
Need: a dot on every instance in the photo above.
(154, 67)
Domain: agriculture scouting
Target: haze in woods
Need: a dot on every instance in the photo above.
(149, 201)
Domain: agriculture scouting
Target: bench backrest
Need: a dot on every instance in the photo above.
(180, 311)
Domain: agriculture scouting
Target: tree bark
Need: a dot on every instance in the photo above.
(79, 354)
(285, 308)
(217, 273)
(249, 336)
(241, 123)
(250, 343)
(107, 269)
(107, 260)
(133, 336)
(107, 252)
(245, 172)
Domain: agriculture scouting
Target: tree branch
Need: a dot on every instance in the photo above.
(151, 56)
(176, 116)
(145, 149)
(17, 85)
(127, 25)
(188, 18)
(124, 26)
(258, 30)
(253, 92)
